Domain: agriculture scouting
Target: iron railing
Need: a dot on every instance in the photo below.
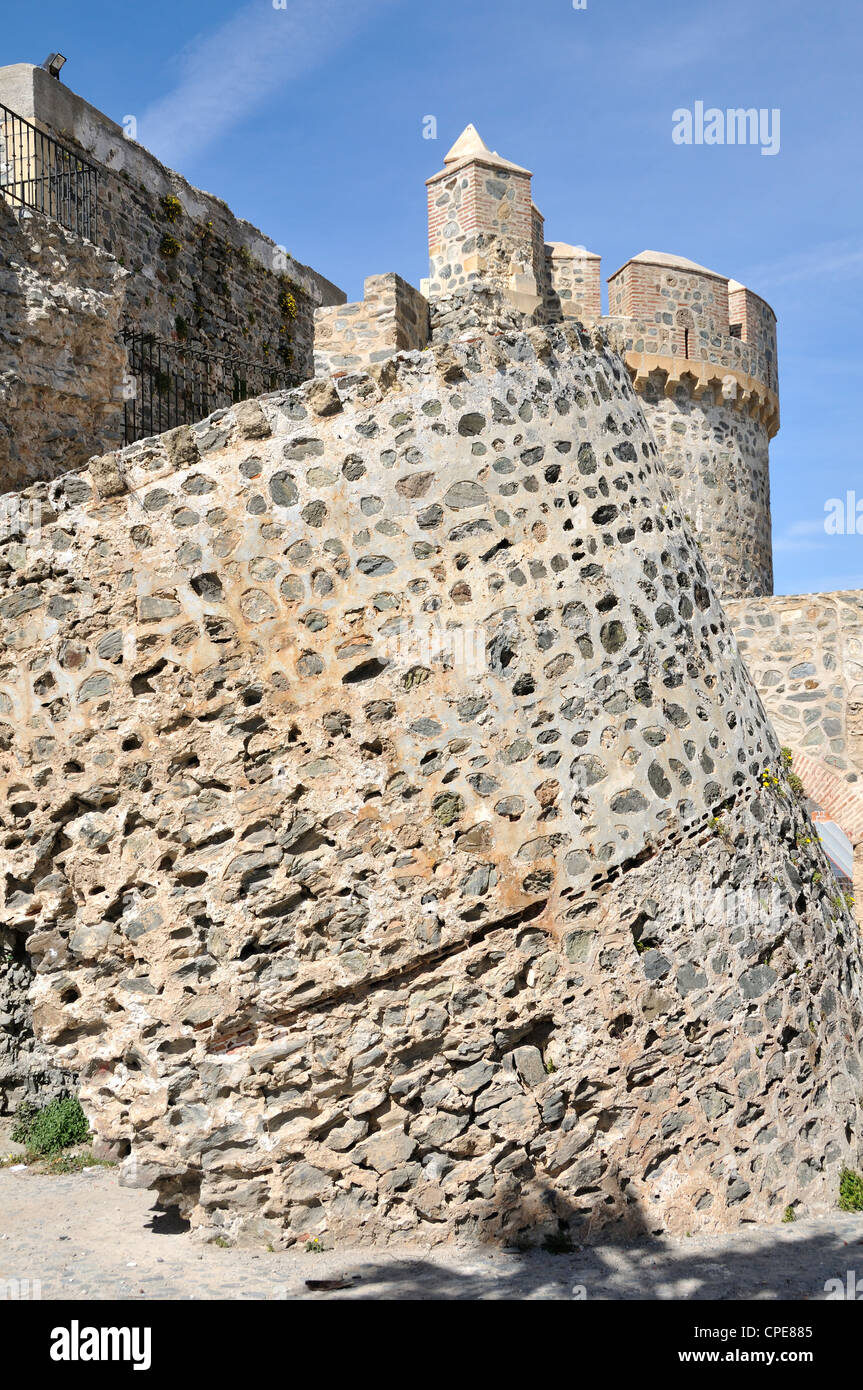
(38, 172)
(170, 384)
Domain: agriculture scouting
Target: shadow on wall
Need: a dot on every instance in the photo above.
(544, 1217)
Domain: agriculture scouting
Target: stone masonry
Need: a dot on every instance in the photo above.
(805, 653)
(61, 364)
(349, 936)
(392, 315)
(701, 349)
(394, 839)
(710, 395)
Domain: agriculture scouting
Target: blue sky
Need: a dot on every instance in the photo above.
(308, 120)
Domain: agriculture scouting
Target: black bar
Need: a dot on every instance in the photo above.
(176, 385)
(37, 172)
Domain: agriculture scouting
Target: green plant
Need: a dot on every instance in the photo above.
(791, 777)
(169, 246)
(789, 1214)
(53, 1127)
(850, 1190)
(172, 208)
(74, 1163)
(244, 255)
(288, 304)
(314, 1246)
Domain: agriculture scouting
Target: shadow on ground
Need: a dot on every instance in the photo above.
(794, 1261)
(753, 1263)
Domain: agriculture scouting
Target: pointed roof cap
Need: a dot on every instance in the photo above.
(469, 147)
(469, 144)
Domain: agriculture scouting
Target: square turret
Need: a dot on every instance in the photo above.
(483, 225)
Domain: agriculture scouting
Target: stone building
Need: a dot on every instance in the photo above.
(701, 349)
(396, 842)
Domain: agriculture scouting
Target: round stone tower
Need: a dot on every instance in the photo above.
(701, 350)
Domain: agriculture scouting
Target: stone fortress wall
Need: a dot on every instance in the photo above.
(346, 940)
(196, 277)
(702, 354)
(349, 937)
(805, 653)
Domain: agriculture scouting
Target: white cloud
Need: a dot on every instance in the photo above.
(227, 73)
(833, 258)
(800, 536)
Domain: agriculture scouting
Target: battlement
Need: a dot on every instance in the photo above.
(681, 310)
(574, 283)
(390, 317)
(483, 224)
(688, 298)
(700, 348)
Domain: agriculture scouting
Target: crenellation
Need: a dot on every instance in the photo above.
(391, 316)
(574, 289)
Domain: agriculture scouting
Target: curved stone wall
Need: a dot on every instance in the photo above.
(366, 748)
(716, 451)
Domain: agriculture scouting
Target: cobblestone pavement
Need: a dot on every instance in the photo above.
(84, 1237)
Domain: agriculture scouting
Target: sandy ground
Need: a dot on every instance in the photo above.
(82, 1236)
